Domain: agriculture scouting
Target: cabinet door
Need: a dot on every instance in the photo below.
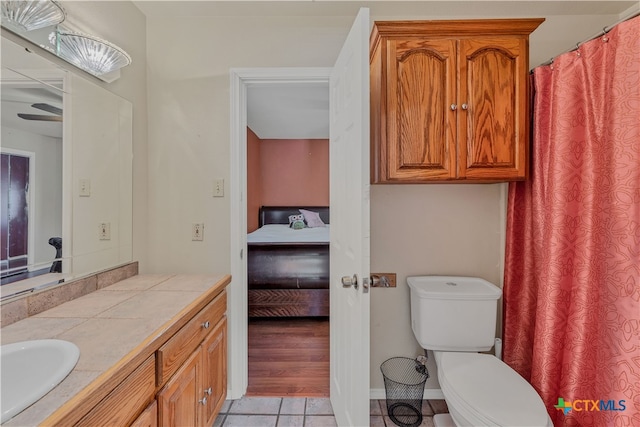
(148, 418)
(178, 400)
(421, 84)
(493, 134)
(214, 369)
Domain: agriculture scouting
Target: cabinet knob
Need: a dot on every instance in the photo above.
(206, 325)
(453, 107)
(465, 107)
(203, 400)
(208, 391)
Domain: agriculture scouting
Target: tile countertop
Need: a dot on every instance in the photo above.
(109, 326)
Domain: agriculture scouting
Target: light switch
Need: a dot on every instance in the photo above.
(85, 187)
(218, 187)
(197, 231)
(105, 231)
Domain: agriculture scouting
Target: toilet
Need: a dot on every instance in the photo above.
(455, 317)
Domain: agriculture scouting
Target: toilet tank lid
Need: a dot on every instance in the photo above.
(453, 287)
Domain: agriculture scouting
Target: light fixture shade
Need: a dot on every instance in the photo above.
(31, 15)
(90, 53)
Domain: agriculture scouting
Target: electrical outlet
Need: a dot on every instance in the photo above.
(197, 231)
(85, 188)
(104, 231)
(218, 187)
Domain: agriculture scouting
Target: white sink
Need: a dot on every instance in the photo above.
(30, 369)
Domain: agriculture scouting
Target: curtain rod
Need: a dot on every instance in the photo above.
(604, 31)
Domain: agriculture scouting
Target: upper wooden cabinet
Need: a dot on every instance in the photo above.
(449, 100)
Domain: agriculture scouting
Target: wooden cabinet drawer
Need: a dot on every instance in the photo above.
(178, 348)
(125, 402)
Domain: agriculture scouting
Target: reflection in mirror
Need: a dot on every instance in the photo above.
(87, 206)
(31, 199)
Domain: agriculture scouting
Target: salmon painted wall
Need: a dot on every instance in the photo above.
(254, 179)
(285, 172)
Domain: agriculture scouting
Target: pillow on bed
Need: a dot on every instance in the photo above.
(312, 218)
(296, 222)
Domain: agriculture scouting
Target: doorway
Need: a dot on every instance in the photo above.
(15, 213)
(242, 81)
(287, 166)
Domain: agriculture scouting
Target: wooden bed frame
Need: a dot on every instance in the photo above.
(288, 279)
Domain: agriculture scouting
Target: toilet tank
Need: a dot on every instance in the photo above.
(453, 313)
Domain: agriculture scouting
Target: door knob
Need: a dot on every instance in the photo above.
(348, 282)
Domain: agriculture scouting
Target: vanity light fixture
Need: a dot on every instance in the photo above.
(90, 53)
(31, 15)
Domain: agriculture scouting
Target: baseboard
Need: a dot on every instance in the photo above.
(429, 393)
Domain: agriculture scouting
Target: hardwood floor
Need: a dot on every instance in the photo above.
(289, 357)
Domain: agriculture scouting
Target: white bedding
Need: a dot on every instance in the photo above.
(281, 233)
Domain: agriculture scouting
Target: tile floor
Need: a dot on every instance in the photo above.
(305, 412)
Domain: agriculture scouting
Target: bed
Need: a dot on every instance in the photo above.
(288, 270)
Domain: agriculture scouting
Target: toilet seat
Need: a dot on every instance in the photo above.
(484, 391)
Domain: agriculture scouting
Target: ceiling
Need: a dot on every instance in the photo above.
(19, 92)
(19, 98)
(398, 9)
(292, 111)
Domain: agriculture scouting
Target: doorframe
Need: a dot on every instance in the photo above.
(31, 203)
(241, 80)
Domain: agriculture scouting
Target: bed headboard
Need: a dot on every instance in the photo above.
(280, 214)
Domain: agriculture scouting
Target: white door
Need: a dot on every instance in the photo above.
(349, 178)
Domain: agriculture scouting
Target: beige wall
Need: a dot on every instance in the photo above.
(444, 229)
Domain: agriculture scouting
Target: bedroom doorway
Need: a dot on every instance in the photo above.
(287, 166)
(244, 80)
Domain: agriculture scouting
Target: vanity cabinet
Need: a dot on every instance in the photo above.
(176, 376)
(449, 100)
(192, 372)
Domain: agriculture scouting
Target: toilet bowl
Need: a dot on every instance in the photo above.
(455, 317)
(481, 390)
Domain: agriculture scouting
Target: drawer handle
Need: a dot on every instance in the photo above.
(208, 391)
(206, 325)
(203, 400)
(453, 107)
(465, 107)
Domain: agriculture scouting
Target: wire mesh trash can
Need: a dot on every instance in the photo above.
(404, 380)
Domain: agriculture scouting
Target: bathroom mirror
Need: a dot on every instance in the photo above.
(77, 138)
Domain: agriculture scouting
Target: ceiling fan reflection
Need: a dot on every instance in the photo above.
(57, 117)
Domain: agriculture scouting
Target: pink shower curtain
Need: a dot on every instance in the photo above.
(572, 275)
